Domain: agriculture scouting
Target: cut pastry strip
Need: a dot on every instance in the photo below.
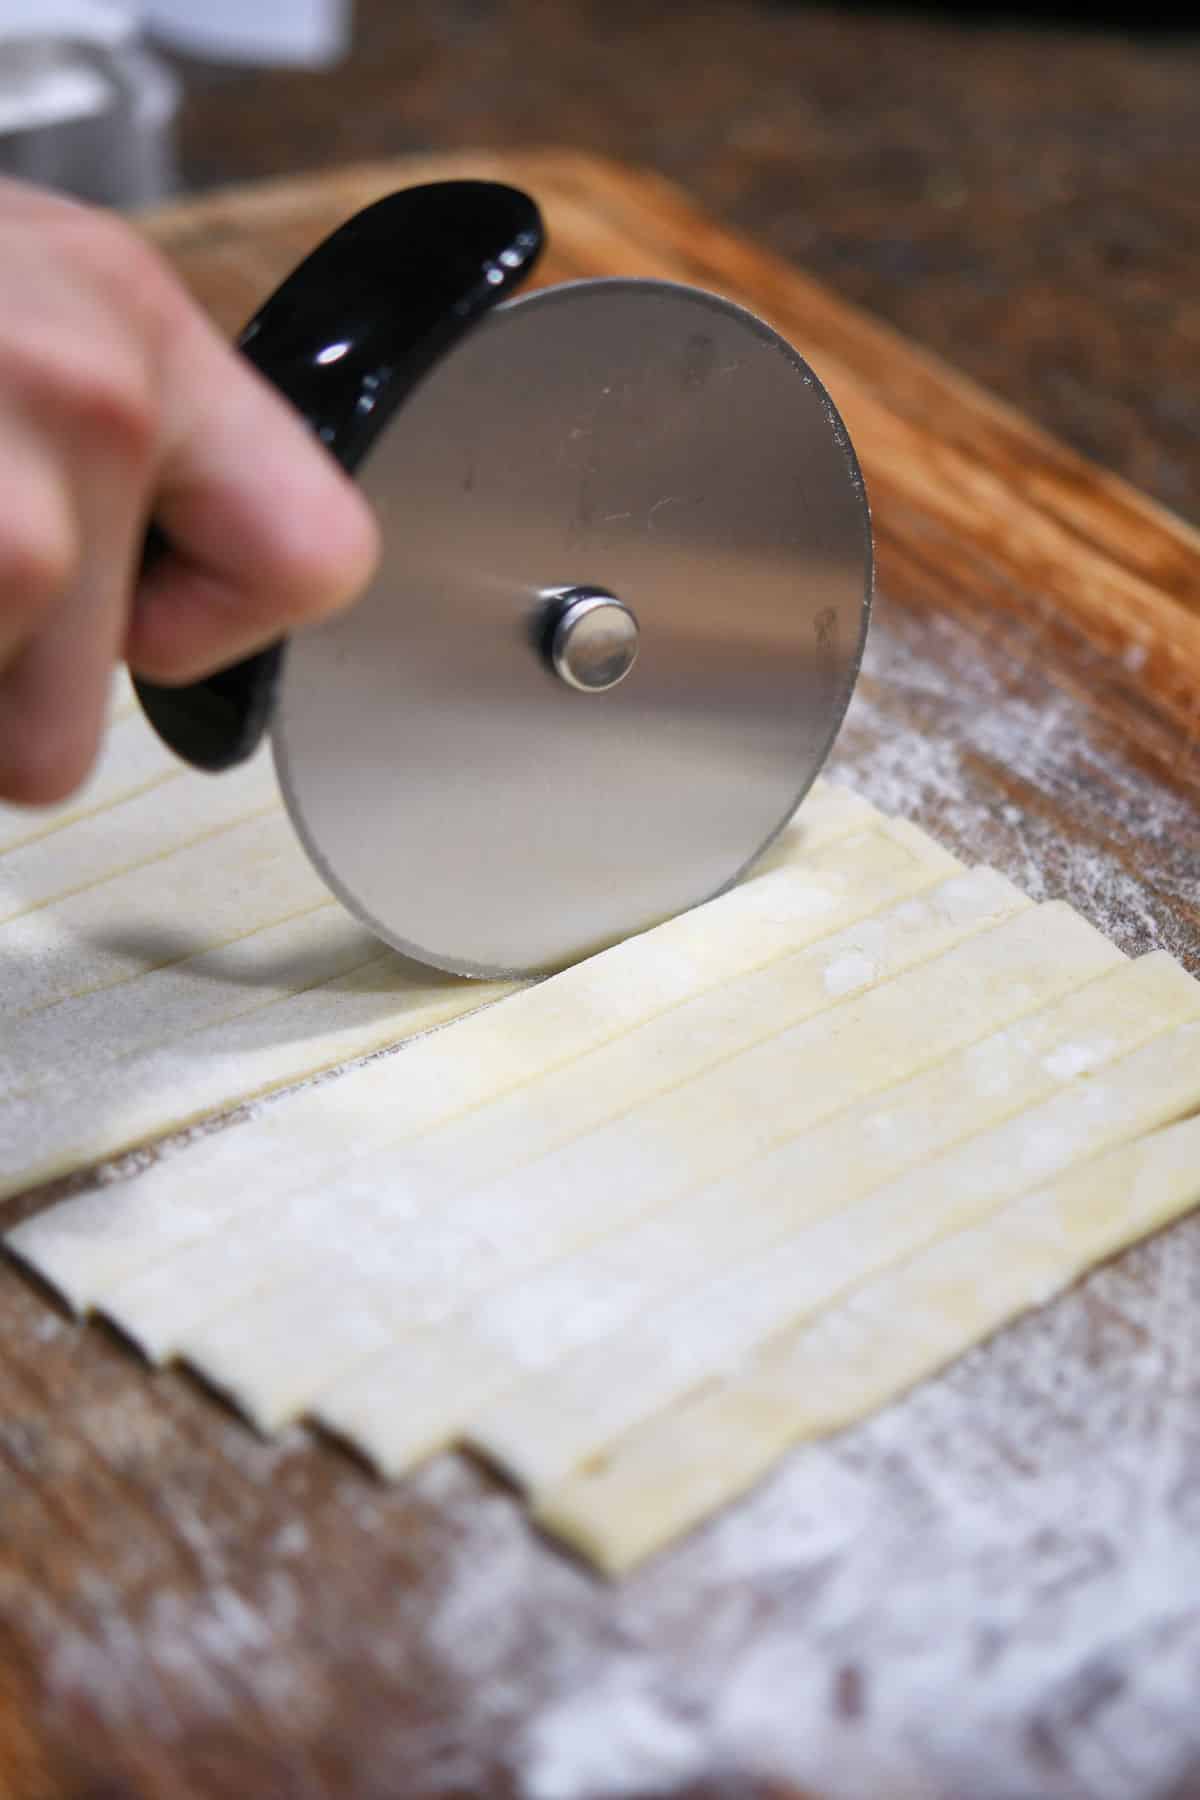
(882, 1338)
(249, 875)
(553, 1423)
(132, 761)
(85, 1245)
(60, 1048)
(421, 1394)
(176, 1084)
(829, 812)
(266, 1352)
(288, 1235)
(128, 835)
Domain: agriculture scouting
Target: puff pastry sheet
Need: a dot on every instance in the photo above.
(632, 1233)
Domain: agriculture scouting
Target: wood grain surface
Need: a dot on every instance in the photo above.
(988, 1591)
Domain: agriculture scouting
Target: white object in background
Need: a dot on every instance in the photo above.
(309, 32)
(106, 22)
(45, 77)
(40, 86)
(82, 106)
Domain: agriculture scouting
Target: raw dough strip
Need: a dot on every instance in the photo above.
(133, 761)
(288, 1235)
(828, 812)
(85, 1245)
(266, 1354)
(888, 1334)
(174, 1085)
(466, 1363)
(61, 1047)
(237, 880)
(124, 838)
(552, 1423)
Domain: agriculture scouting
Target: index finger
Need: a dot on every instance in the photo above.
(266, 531)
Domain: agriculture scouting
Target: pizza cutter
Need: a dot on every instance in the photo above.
(621, 606)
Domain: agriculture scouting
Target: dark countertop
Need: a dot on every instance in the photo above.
(1020, 197)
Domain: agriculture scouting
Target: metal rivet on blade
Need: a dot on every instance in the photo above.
(594, 643)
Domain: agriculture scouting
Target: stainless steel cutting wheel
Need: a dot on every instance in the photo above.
(622, 606)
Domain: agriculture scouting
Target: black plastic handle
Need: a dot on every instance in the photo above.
(346, 338)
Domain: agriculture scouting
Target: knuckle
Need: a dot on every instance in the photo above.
(37, 566)
(98, 364)
(99, 394)
(113, 255)
(117, 407)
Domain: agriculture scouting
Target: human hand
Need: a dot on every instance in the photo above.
(120, 402)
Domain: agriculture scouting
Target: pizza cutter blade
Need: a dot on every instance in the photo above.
(621, 607)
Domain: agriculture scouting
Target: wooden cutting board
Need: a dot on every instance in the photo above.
(991, 1590)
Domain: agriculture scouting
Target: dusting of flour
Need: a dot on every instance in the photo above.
(987, 1591)
(988, 758)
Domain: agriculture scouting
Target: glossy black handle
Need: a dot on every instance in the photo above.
(346, 338)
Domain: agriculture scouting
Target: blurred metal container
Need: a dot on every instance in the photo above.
(84, 107)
